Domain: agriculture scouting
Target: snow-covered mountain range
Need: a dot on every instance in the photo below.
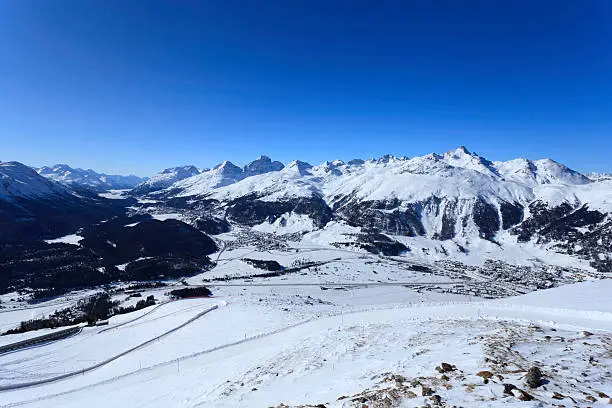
(458, 199)
(599, 176)
(32, 205)
(456, 196)
(88, 178)
(226, 173)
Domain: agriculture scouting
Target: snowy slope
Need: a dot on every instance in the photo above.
(219, 176)
(33, 206)
(88, 178)
(250, 353)
(291, 181)
(20, 181)
(586, 296)
(165, 179)
(223, 175)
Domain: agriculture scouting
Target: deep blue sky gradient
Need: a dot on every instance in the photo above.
(139, 85)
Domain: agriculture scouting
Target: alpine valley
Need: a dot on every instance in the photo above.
(439, 280)
(535, 223)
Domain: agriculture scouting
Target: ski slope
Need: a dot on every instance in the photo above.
(253, 353)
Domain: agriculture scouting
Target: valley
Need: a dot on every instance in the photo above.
(337, 285)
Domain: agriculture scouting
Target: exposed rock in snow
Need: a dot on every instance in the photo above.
(261, 166)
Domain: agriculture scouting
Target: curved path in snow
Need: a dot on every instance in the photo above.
(582, 319)
(135, 319)
(108, 360)
(40, 340)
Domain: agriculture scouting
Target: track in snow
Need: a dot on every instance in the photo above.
(334, 284)
(454, 310)
(107, 361)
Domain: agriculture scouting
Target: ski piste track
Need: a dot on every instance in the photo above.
(40, 340)
(430, 311)
(48, 338)
(135, 319)
(108, 360)
(332, 284)
(62, 334)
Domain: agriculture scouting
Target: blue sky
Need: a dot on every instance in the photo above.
(136, 86)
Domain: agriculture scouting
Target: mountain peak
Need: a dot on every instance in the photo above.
(461, 157)
(263, 164)
(187, 167)
(19, 180)
(356, 162)
(461, 151)
(229, 169)
(301, 167)
(386, 158)
(224, 164)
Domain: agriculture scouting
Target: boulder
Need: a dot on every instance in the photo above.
(534, 377)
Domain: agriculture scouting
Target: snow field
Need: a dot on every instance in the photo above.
(313, 362)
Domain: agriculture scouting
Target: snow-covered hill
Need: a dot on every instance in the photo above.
(18, 181)
(88, 178)
(32, 205)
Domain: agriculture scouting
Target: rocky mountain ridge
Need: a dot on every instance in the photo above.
(88, 178)
(456, 196)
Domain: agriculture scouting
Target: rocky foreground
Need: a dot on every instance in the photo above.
(523, 365)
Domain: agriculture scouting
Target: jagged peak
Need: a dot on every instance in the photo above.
(263, 164)
(463, 149)
(356, 162)
(300, 166)
(333, 163)
(461, 152)
(430, 156)
(186, 167)
(463, 158)
(386, 158)
(224, 164)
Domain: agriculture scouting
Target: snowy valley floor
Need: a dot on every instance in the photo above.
(264, 348)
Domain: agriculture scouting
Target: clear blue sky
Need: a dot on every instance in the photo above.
(136, 86)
